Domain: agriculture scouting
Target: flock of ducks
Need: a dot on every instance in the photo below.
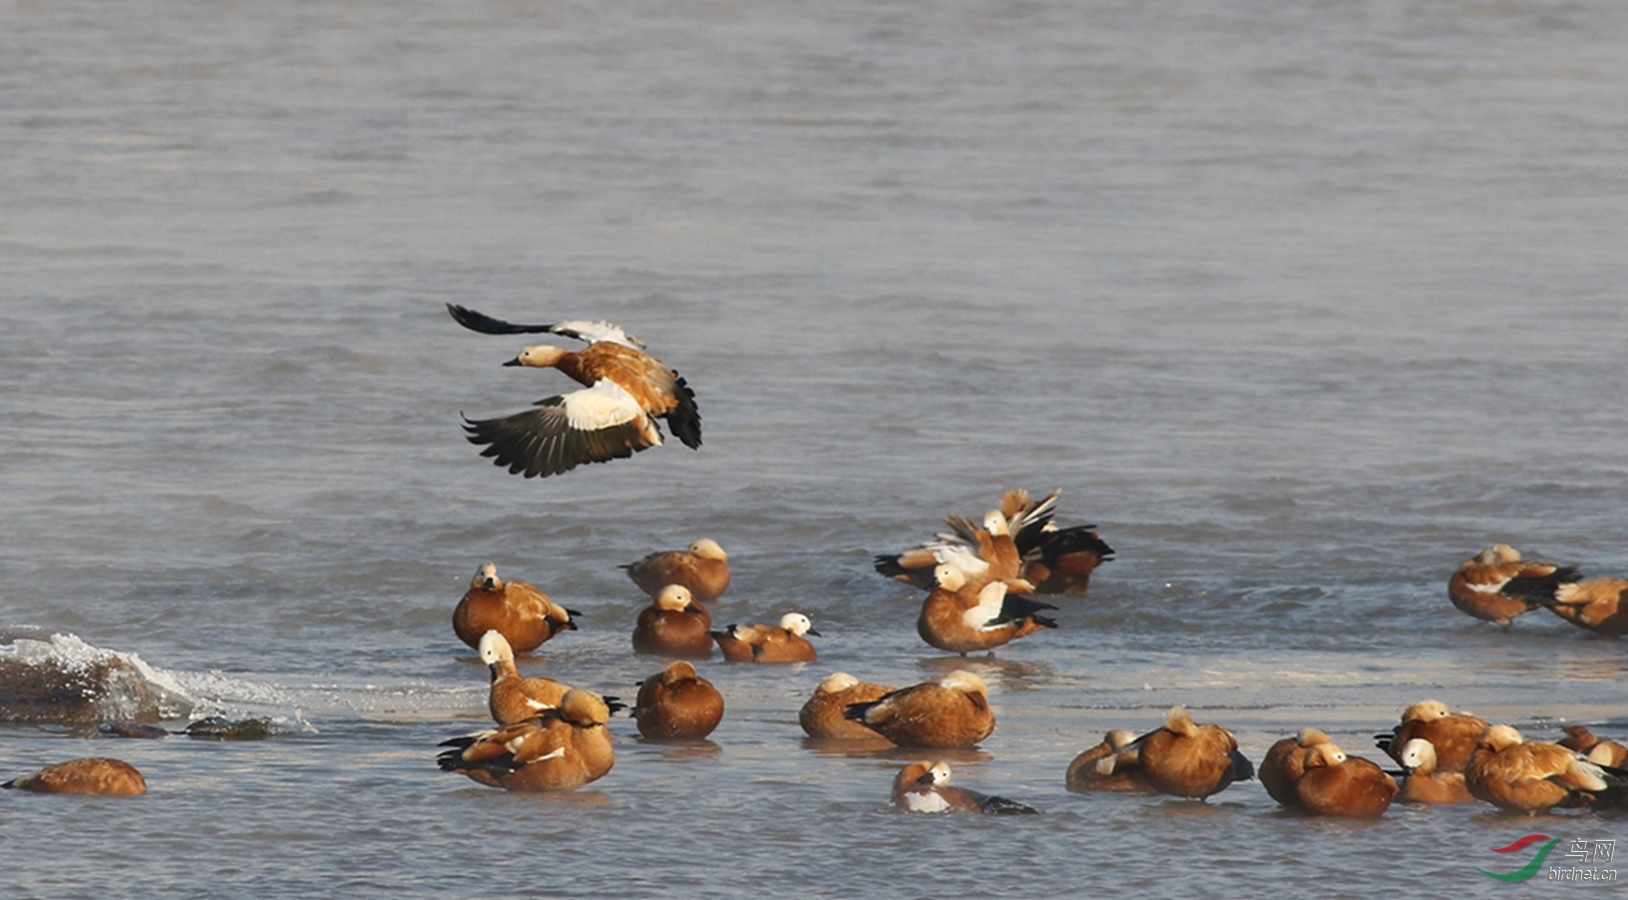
(982, 579)
(1497, 585)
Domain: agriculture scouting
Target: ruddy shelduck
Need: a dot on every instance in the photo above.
(1426, 781)
(1596, 605)
(1532, 777)
(674, 625)
(517, 610)
(612, 417)
(783, 643)
(1285, 762)
(1497, 584)
(512, 698)
(678, 705)
(702, 568)
(821, 716)
(560, 750)
(1050, 560)
(1452, 735)
(960, 620)
(925, 787)
(93, 775)
(950, 713)
(1604, 753)
(1188, 759)
(1109, 766)
(1335, 784)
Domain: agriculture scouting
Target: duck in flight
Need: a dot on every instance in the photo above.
(624, 390)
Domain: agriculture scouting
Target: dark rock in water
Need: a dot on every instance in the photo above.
(60, 679)
(132, 730)
(216, 728)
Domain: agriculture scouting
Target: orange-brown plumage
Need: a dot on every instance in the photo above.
(962, 617)
(703, 568)
(1426, 781)
(1335, 784)
(1497, 584)
(560, 750)
(1529, 777)
(953, 712)
(1107, 767)
(1188, 759)
(678, 704)
(821, 716)
(673, 625)
(1016, 543)
(611, 355)
(1285, 762)
(783, 643)
(93, 775)
(512, 698)
(1604, 753)
(1453, 735)
(1596, 605)
(517, 610)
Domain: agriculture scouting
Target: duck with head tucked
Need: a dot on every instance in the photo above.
(560, 750)
(1497, 585)
(821, 716)
(92, 775)
(1188, 759)
(678, 705)
(702, 568)
(951, 713)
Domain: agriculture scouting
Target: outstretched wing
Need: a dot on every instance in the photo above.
(581, 330)
(595, 424)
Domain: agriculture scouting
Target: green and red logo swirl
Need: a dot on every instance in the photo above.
(1525, 872)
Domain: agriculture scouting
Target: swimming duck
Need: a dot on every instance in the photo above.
(925, 787)
(952, 712)
(517, 610)
(1049, 559)
(821, 715)
(678, 704)
(512, 698)
(672, 625)
(1108, 766)
(703, 568)
(1285, 762)
(958, 619)
(1188, 759)
(1452, 735)
(1426, 781)
(1334, 784)
(1604, 753)
(1531, 777)
(1497, 585)
(783, 643)
(560, 750)
(93, 775)
(1595, 605)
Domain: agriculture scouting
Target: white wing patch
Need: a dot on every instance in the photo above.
(925, 801)
(605, 405)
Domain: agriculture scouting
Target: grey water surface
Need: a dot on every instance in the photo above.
(1301, 303)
